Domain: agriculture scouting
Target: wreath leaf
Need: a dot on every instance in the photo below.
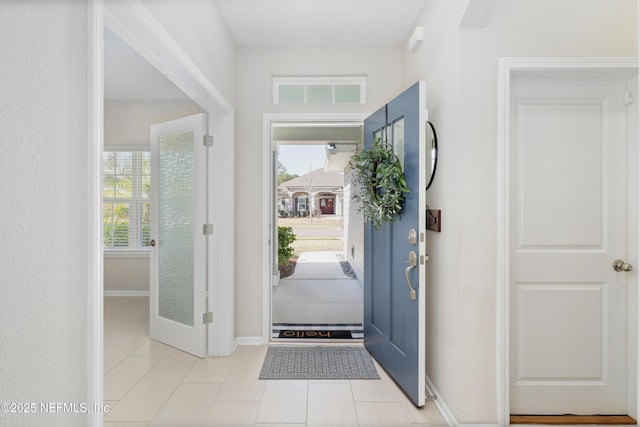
(378, 174)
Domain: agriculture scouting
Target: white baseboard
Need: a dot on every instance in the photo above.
(249, 341)
(437, 400)
(228, 351)
(449, 418)
(116, 293)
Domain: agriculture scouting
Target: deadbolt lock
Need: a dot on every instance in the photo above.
(413, 237)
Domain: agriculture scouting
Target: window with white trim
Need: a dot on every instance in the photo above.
(319, 90)
(126, 204)
(302, 203)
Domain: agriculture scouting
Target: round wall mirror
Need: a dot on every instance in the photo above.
(432, 159)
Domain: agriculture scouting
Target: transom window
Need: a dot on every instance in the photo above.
(319, 90)
(126, 205)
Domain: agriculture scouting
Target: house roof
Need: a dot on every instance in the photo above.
(316, 179)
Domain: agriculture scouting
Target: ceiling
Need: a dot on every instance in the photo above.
(319, 22)
(267, 22)
(341, 140)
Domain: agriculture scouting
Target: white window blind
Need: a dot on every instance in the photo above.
(126, 205)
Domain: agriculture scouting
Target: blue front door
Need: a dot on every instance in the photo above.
(394, 291)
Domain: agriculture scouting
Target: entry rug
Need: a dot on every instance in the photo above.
(340, 331)
(318, 363)
(312, 334)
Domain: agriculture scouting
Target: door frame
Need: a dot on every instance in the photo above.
(510, 69)
(268, 145)
(133, 22)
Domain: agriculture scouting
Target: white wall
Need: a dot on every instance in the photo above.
(254, 68)
(44, 242)
(126, 275)
(43, 219)
(354, 225)
(459, 66)
(200, 31)
(126, 124)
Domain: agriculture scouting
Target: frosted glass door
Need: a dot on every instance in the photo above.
(177, 292)
(176, 222)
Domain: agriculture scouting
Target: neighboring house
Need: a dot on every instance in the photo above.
(318, 192)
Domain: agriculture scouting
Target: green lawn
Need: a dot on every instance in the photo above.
(312, 245)
(315, 223)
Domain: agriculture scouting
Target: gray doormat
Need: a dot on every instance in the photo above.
(322, 362)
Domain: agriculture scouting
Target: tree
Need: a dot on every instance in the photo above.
(283, 176)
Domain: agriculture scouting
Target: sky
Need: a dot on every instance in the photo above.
(297, 158)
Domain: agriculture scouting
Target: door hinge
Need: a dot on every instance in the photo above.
(207, 229)
(628, 98)
(207, 140)
(207, 317)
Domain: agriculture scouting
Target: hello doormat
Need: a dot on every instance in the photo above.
(289, 333)
(321, 362)
(314, 331)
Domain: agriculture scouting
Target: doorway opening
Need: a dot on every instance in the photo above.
(316, 292)
(110, 349)
(309, 204)
(128, 179)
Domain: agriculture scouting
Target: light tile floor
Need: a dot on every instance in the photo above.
(149, 384)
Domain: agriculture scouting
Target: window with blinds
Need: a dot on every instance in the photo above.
(126, 205)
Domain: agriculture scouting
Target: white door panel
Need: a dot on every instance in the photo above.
(560, 213)
(569, 222)
(178, 259)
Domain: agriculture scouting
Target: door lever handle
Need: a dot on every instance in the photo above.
(620, 265)
(413, 262)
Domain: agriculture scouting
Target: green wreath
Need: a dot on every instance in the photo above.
(380, 183)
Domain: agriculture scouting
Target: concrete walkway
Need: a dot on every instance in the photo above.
(318, 265)
(318, 292)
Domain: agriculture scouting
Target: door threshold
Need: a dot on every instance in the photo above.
(573, 419)
(355, 341)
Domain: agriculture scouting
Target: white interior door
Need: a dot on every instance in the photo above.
(178, 257)
(569, 209)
